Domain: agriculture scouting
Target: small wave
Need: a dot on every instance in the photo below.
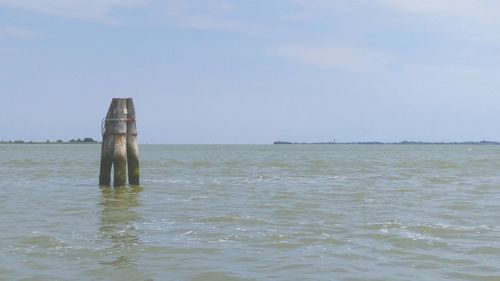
(490, 250)
(187, 233)
(23, 162)
(195, 198)
(219, 219)
(400, 231)
(42, 241)
(246, 220)
(470, 276)
(216, 276)
(443, 164)
(385, 225)
(167, 180)
(467, 228)
(202, 164)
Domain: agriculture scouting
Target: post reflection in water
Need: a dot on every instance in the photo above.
(117, 230)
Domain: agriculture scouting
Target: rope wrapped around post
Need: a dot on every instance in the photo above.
(119, 144)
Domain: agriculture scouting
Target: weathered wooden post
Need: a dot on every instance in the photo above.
(119, 144)
(120, 134)
(107, 147)
(132, 147)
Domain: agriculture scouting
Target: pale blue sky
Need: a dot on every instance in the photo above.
(253, 71)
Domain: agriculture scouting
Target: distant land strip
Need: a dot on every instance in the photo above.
(401, 142)
(72, 141)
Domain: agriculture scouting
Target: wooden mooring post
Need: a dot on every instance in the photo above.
(119, 145)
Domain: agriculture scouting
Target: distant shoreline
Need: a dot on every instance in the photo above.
(395, 143)
(72, 141)
(286, 142)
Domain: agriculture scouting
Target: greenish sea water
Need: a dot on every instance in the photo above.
(253, 212)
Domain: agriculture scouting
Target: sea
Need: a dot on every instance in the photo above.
(253, 212)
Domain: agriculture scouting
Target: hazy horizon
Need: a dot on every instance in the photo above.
(234, 72)
(361, 142)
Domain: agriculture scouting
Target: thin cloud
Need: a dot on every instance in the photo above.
(480, 10)
(88, 10)
(462, 16)
(456, 70)
(207, 23)
(19, 33)
(477, 9)
(346, 59)
(217, 16)
(476, 20)
(297, 17)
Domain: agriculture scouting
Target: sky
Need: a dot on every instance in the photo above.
(252, 72)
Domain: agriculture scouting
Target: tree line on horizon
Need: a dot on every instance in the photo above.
(79, 140)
